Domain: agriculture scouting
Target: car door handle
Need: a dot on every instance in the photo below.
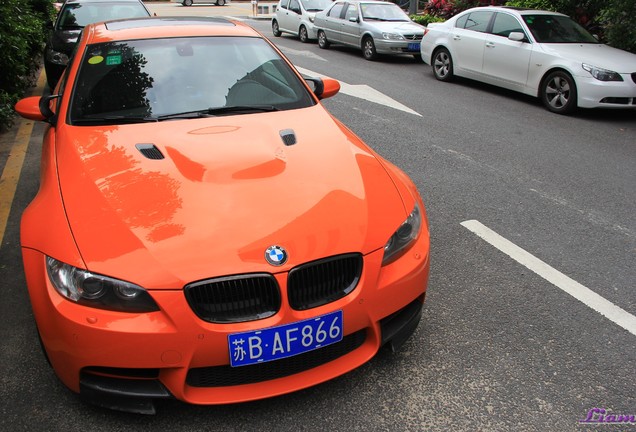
(490, 44)
(457, 37)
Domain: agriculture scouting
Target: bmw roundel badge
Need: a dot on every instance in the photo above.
(276, 255)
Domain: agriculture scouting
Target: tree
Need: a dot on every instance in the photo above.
(22, 38)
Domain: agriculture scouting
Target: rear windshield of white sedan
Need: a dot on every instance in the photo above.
(157, 79)
(557, 29)
(79, 15)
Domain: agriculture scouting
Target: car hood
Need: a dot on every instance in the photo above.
(226, 189)
(393, 26)
(598, 55)
(64, 41)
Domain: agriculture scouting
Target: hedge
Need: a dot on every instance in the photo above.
(22, 38)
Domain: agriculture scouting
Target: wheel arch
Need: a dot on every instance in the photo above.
(363, 36)
(545, 75)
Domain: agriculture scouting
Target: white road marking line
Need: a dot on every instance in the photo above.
(365, 92)
(583, 294)
(301, 53)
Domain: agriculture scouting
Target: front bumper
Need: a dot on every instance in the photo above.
(124, 360)
(385, 46)
(593, 93)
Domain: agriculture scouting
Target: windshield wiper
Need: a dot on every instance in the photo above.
(114, 119)
(244, 109)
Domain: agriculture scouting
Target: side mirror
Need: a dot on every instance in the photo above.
(517, 36)
(36, 108)
(323, 87)
(353, 19)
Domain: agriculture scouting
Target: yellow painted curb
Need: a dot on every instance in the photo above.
(15, 161)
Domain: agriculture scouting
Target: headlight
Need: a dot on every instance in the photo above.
(602, 74)
(56, 57)
(404, 237)
(392, 36)
(94, 290)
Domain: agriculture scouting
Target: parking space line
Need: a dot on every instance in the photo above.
(583, 294)
(15, 161)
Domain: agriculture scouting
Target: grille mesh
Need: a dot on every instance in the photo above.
(234, 299)
(224, 376)
(320, 282)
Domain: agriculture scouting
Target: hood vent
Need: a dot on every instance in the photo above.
(150, 151)
(288, 136)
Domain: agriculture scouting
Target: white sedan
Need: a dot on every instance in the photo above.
(539, 53)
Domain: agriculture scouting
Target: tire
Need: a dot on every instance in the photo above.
(275, 28)
(558, 92)
(220, 2)
(302, 34)
(442, 65)
(368, 49)
(187, 2)
(322, 40)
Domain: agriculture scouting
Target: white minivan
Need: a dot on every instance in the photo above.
(297, 17)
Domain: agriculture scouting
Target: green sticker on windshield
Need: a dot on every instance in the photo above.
(113, 60)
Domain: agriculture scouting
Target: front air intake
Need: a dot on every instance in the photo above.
(150, 151)
(288, 136)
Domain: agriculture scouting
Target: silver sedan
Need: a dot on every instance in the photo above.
(376, 27)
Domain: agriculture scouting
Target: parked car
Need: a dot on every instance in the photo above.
(73, 16)
(376, 27)
(191, 2)
(296, 17)
(217, 239)
(539, 53)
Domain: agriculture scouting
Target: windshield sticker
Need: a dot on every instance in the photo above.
(96, 60)
(112, 60)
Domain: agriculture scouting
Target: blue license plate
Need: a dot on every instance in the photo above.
(413, 46)
(288, 340)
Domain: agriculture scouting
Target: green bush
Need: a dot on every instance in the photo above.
(22, 37)
(618, 19)
(426, 19)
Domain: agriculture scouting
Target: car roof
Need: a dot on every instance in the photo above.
(365, 1)
(516, 10)
(165, 27)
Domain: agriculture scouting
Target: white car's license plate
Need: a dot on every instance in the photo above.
(284, 341)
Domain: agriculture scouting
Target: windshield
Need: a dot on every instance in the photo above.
(315, 5)
(158, 79)
(79, 15)
(383, 12)
(557, 29)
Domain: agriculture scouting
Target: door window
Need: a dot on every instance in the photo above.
(336, 10)
(505, 24)
(352, 12)
(478, 21)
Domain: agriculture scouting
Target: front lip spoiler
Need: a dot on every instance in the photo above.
(128, 395)
(399, 326)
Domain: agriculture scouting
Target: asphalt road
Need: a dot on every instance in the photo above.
(500, 347)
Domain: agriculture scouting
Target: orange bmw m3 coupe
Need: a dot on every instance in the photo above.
(205, 230)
